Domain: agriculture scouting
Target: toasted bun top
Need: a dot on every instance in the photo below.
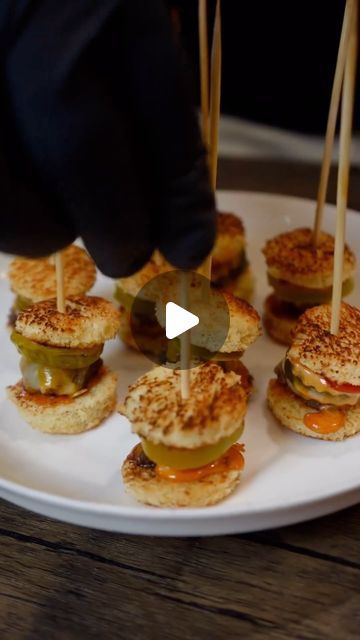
(88, 321)
(35, 279)
(291, 256)
(230, 241)
(215, 409)
(334, 357)
(245, 325)
(155, 267)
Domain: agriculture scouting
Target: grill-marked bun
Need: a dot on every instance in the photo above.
(292, 257)
(35, 279)
(290, 409)
(66, 415)
(147, 488)
(88, 321)
(229, 245)
(215, 409)
(335, 357)
(244, 328)
(278, 322)
(156, 266)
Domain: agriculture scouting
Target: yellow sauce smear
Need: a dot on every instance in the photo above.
(232, 460)
(326, 421)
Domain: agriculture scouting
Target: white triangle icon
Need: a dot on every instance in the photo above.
(178, 320)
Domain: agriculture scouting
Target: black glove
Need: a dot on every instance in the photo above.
(98, 135)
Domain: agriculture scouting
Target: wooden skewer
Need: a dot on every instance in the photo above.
(215, 96)
(332, 118)
(347, 107)
(204, 70)
(59, 266)
(184, 340)
(215, 99)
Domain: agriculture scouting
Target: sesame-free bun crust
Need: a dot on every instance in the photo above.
(156, 266)
(88, 321)
(229, 245)
(244, 328)
(335, 357)
(292, 257)
(65, 415)
(215, 409)
(35, 279)
(279, 325)
(289, 409)
(148, 488)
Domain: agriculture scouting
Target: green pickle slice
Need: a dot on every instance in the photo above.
(303, 295)
(22, 303)
(189, 458)
(56, 357)
(143, 307)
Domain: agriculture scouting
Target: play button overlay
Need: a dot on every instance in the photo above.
(161, 312)
(178, 320)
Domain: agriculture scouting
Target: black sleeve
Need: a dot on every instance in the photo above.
(104, 135)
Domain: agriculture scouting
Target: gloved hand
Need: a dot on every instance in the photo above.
(98, 135)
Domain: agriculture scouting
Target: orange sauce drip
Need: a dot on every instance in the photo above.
(232, 460)
(326, 421)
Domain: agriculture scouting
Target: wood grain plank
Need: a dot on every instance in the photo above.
(64, 579)
(336, 537)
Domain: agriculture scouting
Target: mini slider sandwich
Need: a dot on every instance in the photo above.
(65, 387)
(317, 390)
(125, 293)
(33, 280)
(230, 270)
(188, 455)
(301, 276)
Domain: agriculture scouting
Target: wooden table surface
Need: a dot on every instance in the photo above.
(59, 581)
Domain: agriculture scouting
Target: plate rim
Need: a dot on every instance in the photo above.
(184, 515)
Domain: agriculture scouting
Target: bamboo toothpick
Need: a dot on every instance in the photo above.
(215, 98)
(204, 70)
(332, 118)
(184, 340)
(347, 107)
(59, 267)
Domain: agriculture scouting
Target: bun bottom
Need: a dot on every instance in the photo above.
(279, 322)
(60, 415)
(148, 488)
(290, 410)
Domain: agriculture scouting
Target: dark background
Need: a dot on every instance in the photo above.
(278, 59)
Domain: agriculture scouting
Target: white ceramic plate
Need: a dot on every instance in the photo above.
(288, 478)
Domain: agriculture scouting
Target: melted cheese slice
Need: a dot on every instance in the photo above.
(308, 381)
